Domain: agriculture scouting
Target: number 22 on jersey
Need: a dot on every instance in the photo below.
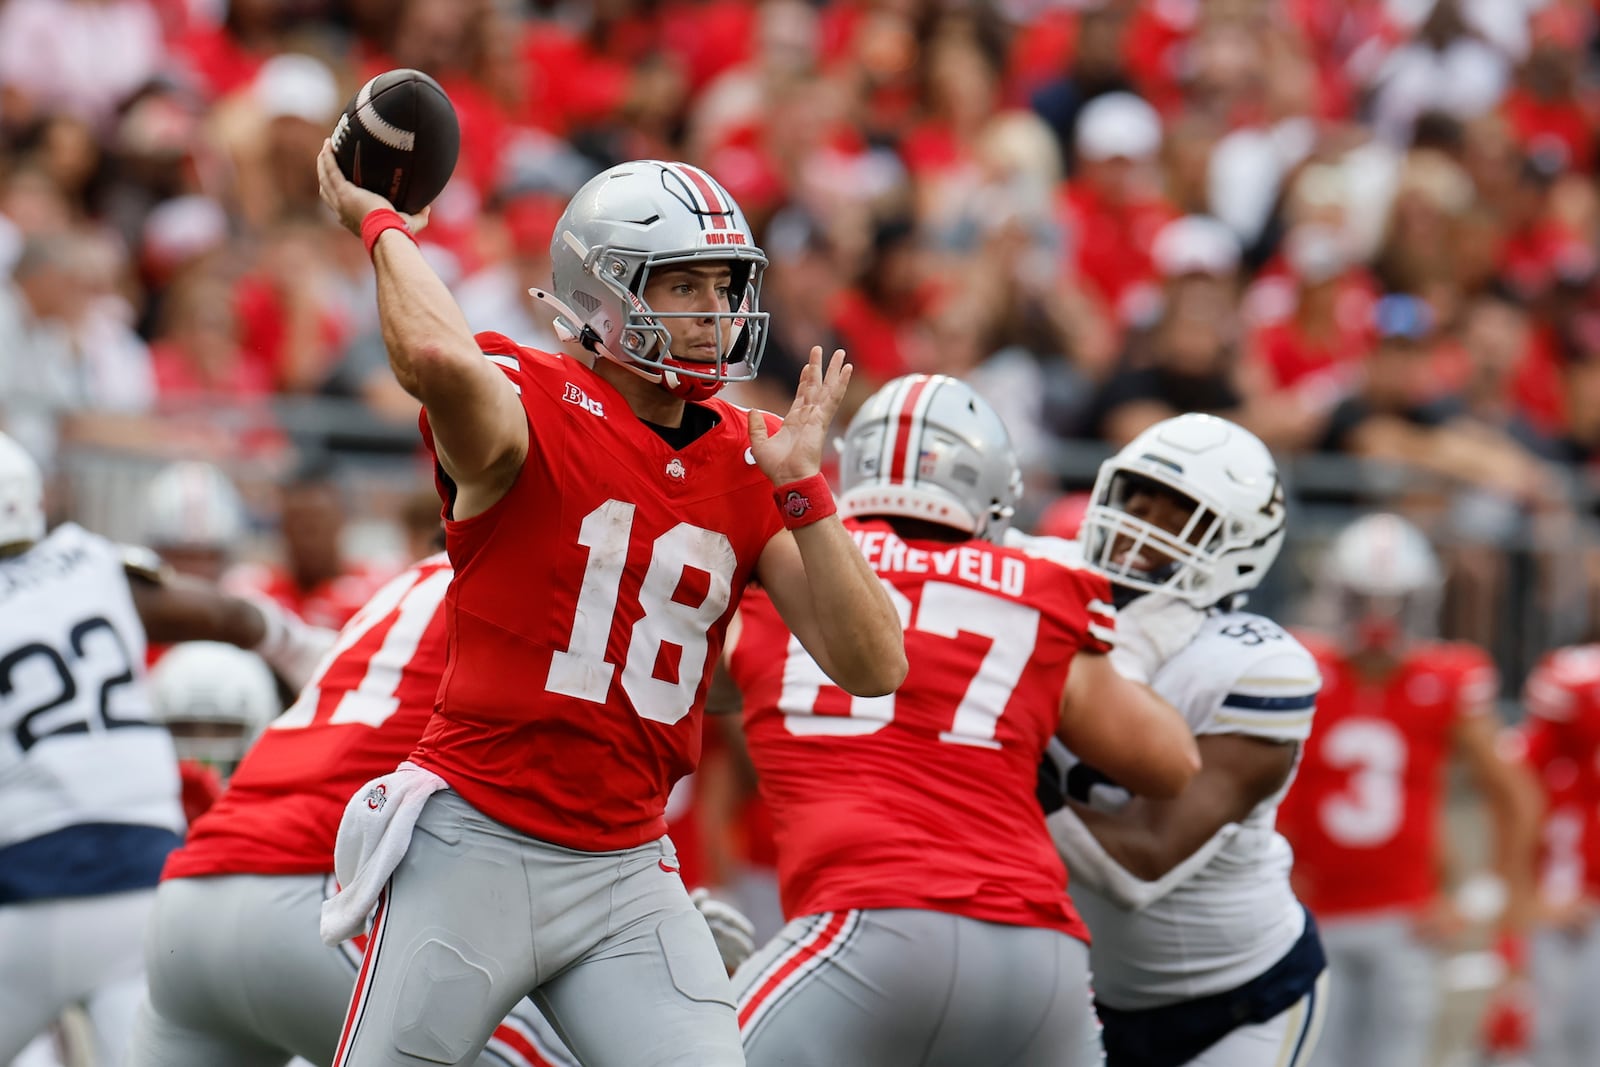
(948, 610)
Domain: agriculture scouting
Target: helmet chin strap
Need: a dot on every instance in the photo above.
(682, 386)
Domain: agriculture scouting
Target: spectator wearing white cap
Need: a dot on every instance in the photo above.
(1188, 358)
(1311, 315)
(1114, 204)
(1185, 360)
(274, 128)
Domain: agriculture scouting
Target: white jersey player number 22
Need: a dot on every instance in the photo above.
(1369, 812)
(68, 687)
(583, 671)
(946, 610)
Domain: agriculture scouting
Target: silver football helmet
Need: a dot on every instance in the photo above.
(1234, 514)
(21, 495)
(214, 698)
(192, 502)
(1385, 580)
(638, 217)
(925, 446)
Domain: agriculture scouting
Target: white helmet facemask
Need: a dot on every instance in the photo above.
(1224, 485)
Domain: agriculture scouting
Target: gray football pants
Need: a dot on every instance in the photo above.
(1383, 993)
(477, 916)
(904, 988)
(237, 975)
(1566, 972)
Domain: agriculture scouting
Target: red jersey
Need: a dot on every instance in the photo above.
(1364, 811)
(358, 717)
(924, 798)
(589, 605)
(1562, 749)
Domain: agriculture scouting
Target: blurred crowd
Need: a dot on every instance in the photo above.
(1363, 228)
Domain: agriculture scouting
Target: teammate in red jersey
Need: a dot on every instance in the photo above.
(604, 512)
(1364, 814)
(265, 850)
(929, 918)
(1561, 746)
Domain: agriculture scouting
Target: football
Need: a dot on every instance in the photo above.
(399, 137)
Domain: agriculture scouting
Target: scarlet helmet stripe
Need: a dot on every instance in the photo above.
(707, 198)
(911, 409)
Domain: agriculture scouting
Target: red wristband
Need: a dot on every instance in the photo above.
(379, 220)
(804, 502)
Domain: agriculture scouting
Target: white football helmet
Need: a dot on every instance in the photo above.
(214, 698)
(21, 495)
(1234, 514)
(925, 446)
(1385, 578)
(642, 216)
(191, 503)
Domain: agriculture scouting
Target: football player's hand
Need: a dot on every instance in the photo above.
(795, 451)
(734, 934)
(349, 201)
(1150, 630)
(1508, 1020)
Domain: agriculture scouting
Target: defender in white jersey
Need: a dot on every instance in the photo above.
(88, 782)
(1201, 954)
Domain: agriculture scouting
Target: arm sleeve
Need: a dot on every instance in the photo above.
(1272, 697)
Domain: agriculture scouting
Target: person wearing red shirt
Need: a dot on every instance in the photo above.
(1112, 207)
(929, 921)
(604, 511)
(1364, 814)
(315, 581)
(1561, 746)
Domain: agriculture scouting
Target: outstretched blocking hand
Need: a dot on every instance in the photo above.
(795, 451)
(351, 202)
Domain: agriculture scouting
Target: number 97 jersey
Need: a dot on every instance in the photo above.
(77, 744)
(924, 798)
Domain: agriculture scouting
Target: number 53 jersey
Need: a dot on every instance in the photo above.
(88, 782)
(588, 605)
(924, 798)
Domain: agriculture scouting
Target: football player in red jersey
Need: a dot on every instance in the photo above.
(1561, 746)
(929, 917)
(223, 990)
(1364, 814)
(604, 512)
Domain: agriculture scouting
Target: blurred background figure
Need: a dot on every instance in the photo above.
(1396, 710)
(1560, 743)
(214, 699)
(194, 518)
(315, 579)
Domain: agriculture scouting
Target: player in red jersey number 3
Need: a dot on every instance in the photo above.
(604, 512)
